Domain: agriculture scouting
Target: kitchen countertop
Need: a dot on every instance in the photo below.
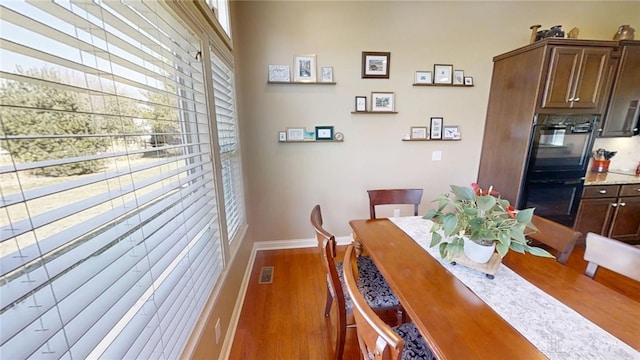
(610, 178)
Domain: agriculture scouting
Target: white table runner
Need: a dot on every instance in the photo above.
(554, 328)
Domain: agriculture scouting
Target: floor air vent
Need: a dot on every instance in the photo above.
(266, 275)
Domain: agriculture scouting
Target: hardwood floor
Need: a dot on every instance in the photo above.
(284, 319)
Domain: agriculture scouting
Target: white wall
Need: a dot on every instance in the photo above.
(286, 180)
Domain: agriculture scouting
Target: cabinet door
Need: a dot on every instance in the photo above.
(594, 215)
(576, 78)
(624, 108)
(626, 220)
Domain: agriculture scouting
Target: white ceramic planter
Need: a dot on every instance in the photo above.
(478, 253)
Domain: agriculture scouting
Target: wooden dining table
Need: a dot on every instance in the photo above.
(457, 324)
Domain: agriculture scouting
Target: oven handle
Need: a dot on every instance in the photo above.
(558, 181)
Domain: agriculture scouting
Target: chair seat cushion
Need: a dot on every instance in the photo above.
(371, 283)
(414, 345)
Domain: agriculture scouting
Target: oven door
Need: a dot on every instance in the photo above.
(556, 200)
(563, 148)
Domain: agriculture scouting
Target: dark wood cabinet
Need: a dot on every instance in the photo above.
(538, 78)
(577, 77)
(612, 211)
(623, 110)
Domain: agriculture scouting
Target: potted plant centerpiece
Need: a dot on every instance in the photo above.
(469, 217)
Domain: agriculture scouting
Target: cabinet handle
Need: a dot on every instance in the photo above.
(623, 204)
(576, 99)
(570, 99)
(614, 204)
(605, 191)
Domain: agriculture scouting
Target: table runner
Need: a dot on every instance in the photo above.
(555, 329)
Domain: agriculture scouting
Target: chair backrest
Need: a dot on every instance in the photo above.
(558, 236)
(374, 335)
(394, 197)
(612, 254)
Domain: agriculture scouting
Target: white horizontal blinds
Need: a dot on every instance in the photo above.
(231, 165)
(109, 244)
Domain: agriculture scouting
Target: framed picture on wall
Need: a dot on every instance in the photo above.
(418, 133)
(423, 77)
(383, 101)
(442, 74)
(361, 103)
(304, 69)
(436, 128)
(295, 134)
(468, 81)
(375, 65)
(324, 132)
(326, 74)
(451, 132)
(458, 77)
(282, 136)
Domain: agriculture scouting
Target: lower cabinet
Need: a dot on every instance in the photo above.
(612, 211)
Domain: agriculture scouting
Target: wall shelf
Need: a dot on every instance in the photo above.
(374, 112)
(449, 85)
(299, 83)
(431, 139)
(311, 141)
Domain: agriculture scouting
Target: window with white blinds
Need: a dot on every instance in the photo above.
(109, 239)
(231, 165)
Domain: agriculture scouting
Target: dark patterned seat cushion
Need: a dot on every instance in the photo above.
(414, 345)
(372, 285)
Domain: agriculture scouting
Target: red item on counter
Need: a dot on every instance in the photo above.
(638, 169)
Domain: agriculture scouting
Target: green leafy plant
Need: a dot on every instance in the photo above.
(483, 217)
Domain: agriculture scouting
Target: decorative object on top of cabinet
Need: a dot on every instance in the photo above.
(326, 74)
(376, 65)
(423, 77)
(625, 32)
(304, 68)
(382, 102)
(534, 33)
(279, 73)
(573, 33)
(442, 74)
(555, 31)
(622, 116)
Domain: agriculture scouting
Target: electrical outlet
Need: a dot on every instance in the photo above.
(396, 212)
(218, 332)
(436, 155)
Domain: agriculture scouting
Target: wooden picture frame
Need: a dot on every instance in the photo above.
(361, 104)
(304, 69)
(383, 101)
(424, 77)
(376, 65)
(442, 74)
(418, 133)
(435, 132)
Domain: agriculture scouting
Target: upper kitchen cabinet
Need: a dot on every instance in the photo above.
(623, 110)
(576, 78)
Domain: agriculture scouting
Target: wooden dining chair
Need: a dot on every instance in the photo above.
(612, 254)
(372, 284)
(555, 235)
(394, 197)
(376, 338)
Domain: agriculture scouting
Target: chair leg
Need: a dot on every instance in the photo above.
(327, 307)
(342, 333)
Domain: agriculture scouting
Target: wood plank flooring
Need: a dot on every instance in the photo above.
(284, 319)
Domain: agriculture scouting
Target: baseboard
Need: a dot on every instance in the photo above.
(259, 246)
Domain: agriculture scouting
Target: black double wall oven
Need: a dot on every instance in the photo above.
(556, 165)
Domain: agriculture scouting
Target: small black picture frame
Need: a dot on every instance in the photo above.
(435, 131)
(361, 103)
(324, 133)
